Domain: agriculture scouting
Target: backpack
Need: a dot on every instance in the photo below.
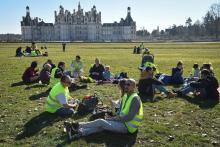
(88, 104)
(101, 111)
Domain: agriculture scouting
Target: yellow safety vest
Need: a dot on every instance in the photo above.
(33, 53)
(52, 103)
(76, 65)
(53, 80)
(152, 65)
(125, 107)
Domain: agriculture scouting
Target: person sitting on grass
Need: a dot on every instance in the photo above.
(35, 51)
(107, 74)
(147, 57)
(177, 74)
(27, 51)
(31, 74)
(57, 73)
(19, 52)
(49, 61)
(205, 88)
(194, 75)
(127, 121)
(116, 104)
(209, 67)
(147, 85)
(135, 50)
(45, 74)
(77, 67)
(96, 70)
(58, 100)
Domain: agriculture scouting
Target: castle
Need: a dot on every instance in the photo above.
(77, 26)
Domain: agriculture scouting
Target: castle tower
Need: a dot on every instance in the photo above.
(129, 11)
(27, 11)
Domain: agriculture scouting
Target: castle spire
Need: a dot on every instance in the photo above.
(79, 7)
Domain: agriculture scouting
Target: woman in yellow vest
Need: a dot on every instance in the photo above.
(57, 101)
(127, 121)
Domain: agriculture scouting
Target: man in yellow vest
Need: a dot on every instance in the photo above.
(127, 121)
(57, 101)
(57, 73)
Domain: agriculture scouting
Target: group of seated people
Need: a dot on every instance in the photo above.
(138, 50)
(127, 119)
(50, 74)
(201, 82)
(32, 51)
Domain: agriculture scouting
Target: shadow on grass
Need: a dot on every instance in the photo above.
(37, 123)
(35, 86)
(39, 95)
(151, 99)
(112, 139)
(17, 84)
(203, 103)
(109, 139)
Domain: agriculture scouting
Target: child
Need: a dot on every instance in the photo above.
(107, 75)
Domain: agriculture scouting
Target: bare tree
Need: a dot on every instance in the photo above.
(215, 13)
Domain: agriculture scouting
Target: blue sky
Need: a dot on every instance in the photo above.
(147, 13)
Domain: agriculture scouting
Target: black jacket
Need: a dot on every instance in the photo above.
(145, 88)
(210, 85)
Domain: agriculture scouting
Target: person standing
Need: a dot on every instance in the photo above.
(64, 46)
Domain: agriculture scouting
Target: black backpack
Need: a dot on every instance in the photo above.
(88, 104)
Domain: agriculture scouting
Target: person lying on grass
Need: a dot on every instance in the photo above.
(127, 121)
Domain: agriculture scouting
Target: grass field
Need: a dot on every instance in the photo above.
(168, 122)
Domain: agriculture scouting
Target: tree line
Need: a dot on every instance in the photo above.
(208, 28)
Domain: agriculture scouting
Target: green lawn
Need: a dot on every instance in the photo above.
(24, 123)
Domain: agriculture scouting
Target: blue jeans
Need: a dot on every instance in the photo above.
(99, 125)
(185, 90)
(166, 79)
(64, 112)
(177, 79)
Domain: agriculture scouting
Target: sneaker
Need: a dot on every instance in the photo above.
(71, 125)
(67, 126)
(72, 137)
(70, 131)
(75, 125)
(171, 94)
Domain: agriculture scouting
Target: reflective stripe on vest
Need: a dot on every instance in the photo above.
(125, 107)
